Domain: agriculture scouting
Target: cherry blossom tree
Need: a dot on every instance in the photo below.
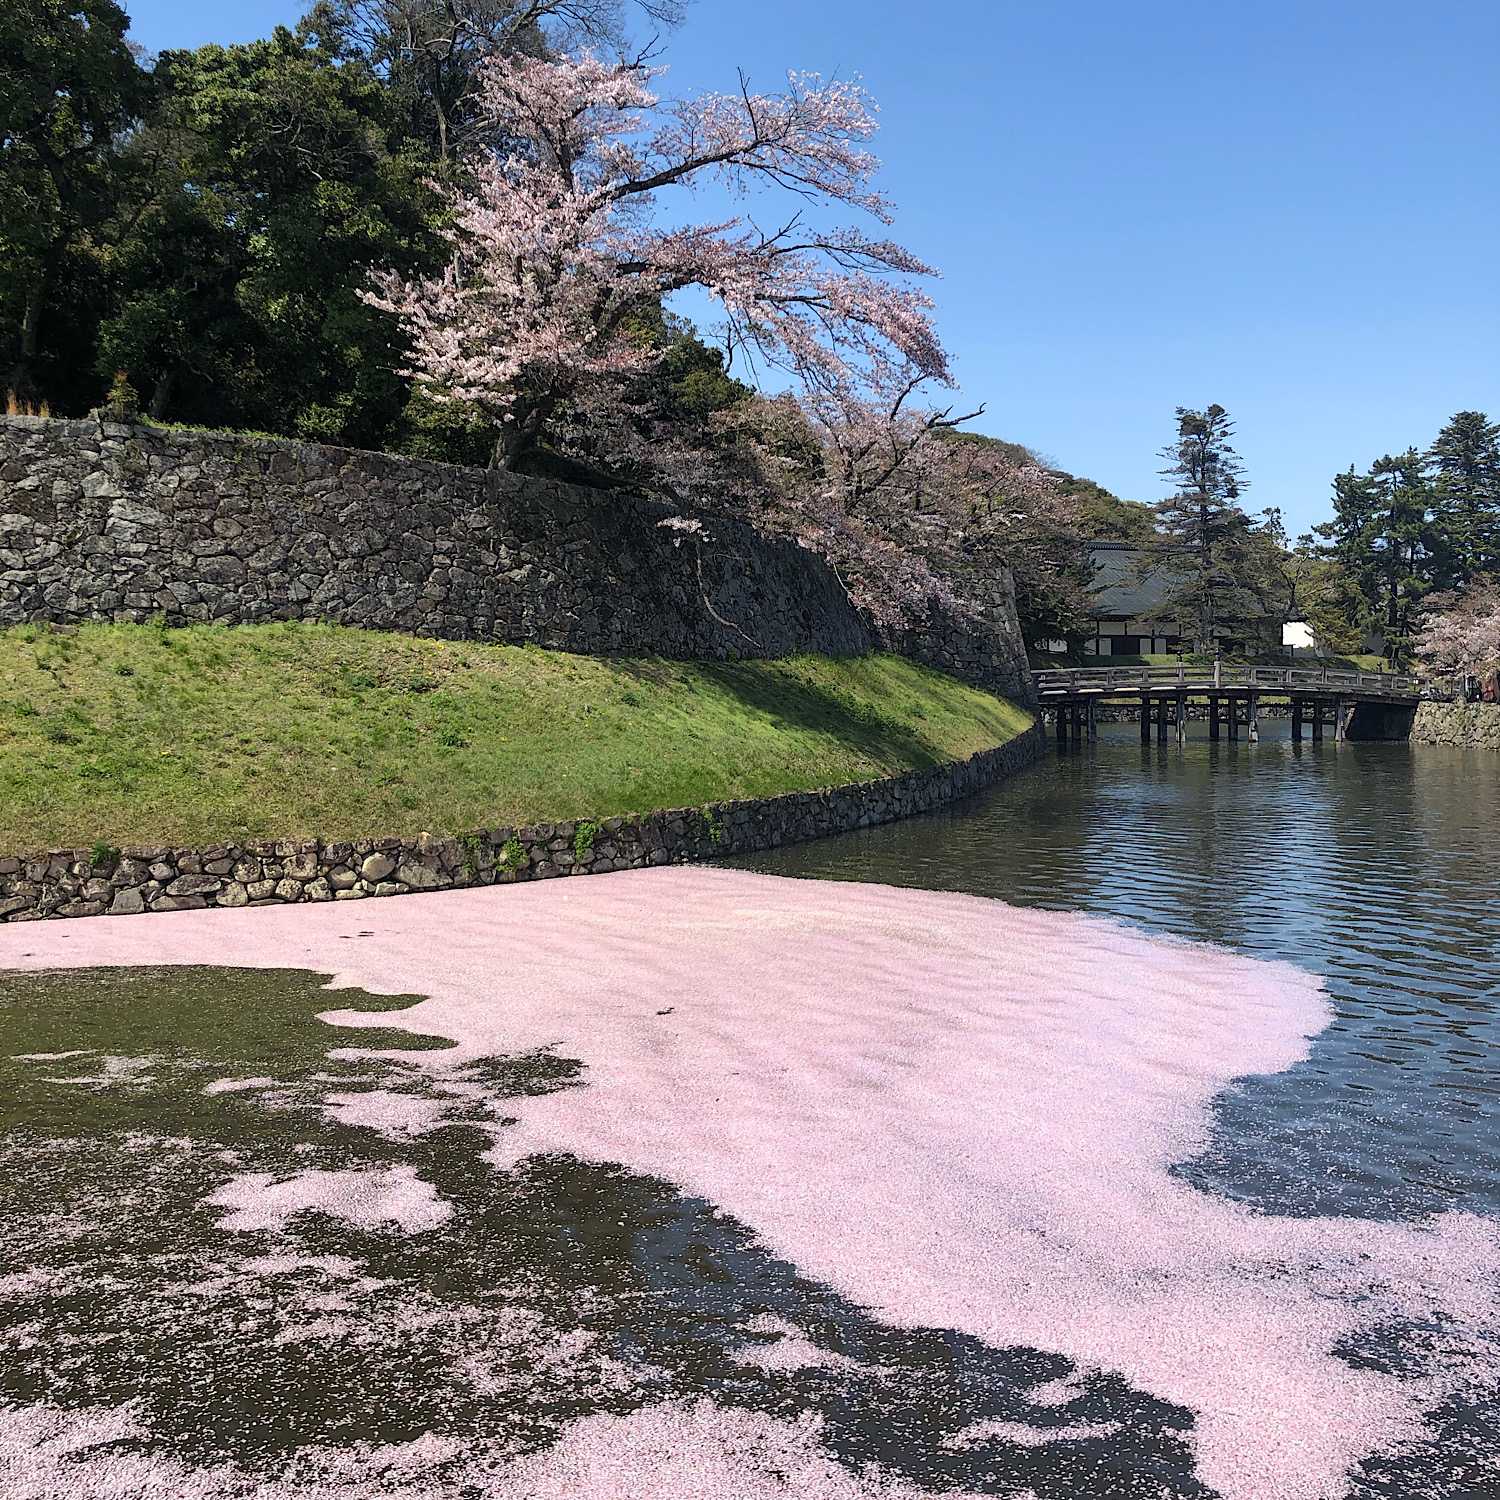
(912, 516)
(428, 49)
(560, 243)
(1462, 632)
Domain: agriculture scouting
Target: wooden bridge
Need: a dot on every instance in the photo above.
(1360, 705)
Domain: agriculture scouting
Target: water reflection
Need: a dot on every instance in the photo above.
(1373, 864)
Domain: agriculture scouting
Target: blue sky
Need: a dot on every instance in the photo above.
(1290, 207)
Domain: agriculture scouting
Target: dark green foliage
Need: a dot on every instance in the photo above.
(694, 381)
(447, 432)
(206, 229)
(1414, 524)
(1104, 517)
(269, 188)
(1203, 532)
(1465, 461)
(68, 83)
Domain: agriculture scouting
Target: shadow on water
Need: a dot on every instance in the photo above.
(552, 1291)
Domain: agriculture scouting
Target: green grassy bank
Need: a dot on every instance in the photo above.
(131, 734)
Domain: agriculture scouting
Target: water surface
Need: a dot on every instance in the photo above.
(1376, 865)
(562, 1288)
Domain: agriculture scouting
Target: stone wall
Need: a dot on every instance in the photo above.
(103, 521)
(99, 882)
(1475, 725)
(992, 656)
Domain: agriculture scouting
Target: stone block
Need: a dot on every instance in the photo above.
(376, 867)
(289, 890)
(319, 890)
(234, 894)
(194, 885)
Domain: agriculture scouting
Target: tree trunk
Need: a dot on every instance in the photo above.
(23, 378)
(159, 396)
(519, 435)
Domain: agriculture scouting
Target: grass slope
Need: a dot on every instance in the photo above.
(134, 734)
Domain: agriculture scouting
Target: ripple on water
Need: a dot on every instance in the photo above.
(954, 1115)
(1375, 865)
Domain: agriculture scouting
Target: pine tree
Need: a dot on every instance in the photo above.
(1384, 539)
(1466, 493)
(1409, 551)
(1203, 531)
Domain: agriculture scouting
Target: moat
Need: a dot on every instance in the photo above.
(1373, 865)
(851, 1186)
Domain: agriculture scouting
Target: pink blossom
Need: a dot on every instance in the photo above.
(557, 241)
(1465, 637)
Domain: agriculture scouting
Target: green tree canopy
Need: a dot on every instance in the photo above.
(1465, 460)
(1383, 538)
(69, 83)
(267, 188)
(1202, 531)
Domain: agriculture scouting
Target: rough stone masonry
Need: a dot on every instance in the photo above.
(127, 882)
(114, 522)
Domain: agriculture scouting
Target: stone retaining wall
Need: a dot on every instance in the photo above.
(1475, 725)
(114, 522)
(100, 882)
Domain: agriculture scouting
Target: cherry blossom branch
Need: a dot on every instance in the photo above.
(555, 244)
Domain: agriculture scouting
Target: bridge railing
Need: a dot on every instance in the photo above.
(1208, 678)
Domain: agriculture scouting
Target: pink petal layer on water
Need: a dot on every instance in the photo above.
(956, 1112)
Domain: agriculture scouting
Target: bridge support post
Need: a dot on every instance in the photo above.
(1161, 721)
(1145, 720)
(1338, 720)
(1077, 725)
(1297, 720)
(1093, 721)
(1182, 718)
(1317, 716)
(1252, 717)
(1062, 723)
(1232, 712)
(1213, 716)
